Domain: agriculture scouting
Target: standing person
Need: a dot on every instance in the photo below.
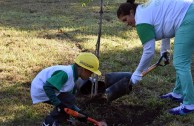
(55, 85)
(165, 19)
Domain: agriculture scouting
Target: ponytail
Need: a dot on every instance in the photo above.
(124, 8)
(131, 1)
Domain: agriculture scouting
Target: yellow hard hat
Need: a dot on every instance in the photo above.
(88, 61)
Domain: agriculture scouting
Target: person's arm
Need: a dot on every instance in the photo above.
(148, 54)
(55, 83)
(146, 33)
(165, 50)
(165, 46)
(50, 92)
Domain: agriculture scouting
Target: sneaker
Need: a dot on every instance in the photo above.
(50, 121)
(180, 110)
(170, 96)
(54, 124)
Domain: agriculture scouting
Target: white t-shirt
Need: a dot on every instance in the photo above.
(37, 92)
(156, 20)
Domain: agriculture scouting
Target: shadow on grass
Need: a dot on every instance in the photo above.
(16, 107)
(67, 16)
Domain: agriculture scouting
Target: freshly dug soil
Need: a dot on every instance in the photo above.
(117, 114)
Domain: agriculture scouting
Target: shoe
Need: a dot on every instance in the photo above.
(170, 96)
(53, 124)
(49, 121)
(180, 110)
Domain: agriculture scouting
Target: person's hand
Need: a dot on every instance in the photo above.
(83, 118)
(166, 58)
(136, 77)
(60, 107)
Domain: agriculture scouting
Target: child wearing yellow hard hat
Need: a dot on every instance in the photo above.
(55, 85)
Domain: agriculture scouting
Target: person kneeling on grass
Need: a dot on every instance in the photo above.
(55, 85)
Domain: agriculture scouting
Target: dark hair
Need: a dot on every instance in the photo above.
(131, 1)
(124, 8)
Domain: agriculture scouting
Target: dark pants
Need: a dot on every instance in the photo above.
(66, 98)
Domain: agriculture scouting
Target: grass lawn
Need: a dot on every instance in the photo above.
(39, 33)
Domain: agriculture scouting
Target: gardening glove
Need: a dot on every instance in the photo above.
(136, 77)
(84, 118)
(60, 107)
(166, 58)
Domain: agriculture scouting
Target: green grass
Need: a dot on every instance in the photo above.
(40, 33)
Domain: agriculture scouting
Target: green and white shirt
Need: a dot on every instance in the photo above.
(156, 20)
(61, 77)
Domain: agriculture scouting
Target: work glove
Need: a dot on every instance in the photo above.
(136, 77)
(166, 58)
(84, 118)
(60, 107)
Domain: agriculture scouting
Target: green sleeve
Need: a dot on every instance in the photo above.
(50, 92)
(146, 32)
(58, 79)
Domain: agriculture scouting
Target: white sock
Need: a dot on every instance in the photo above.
(190, 107)
(177, 95)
